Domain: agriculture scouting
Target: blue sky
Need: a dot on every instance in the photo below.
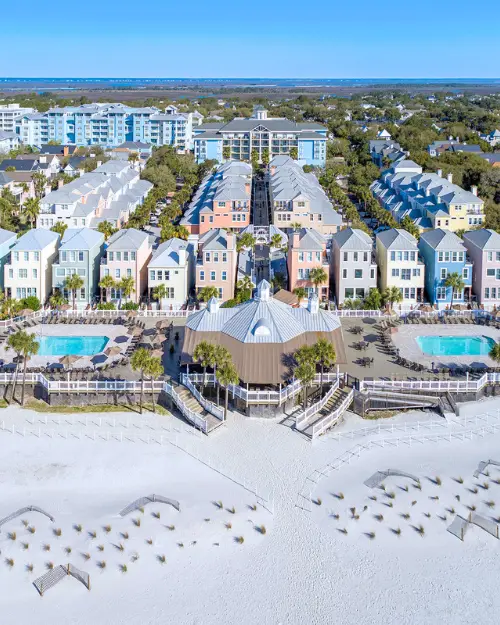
(278, 38)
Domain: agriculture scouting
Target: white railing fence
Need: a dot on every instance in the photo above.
(196, 419)
(457, 386)
(304, 416)
(331, 419)
(213, 409)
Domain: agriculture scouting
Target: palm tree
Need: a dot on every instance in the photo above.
(126, 286)
(73, 283)
(106, 228)
(296, 225)
(305, 372)
(207, 292)
(204, 353)
(106, 284)
(16, 342)
(154, 369)
(57, 300)
(32, 210)
(246, 240)
(495, 352)
(160, 292)
(140, 362)
(221, 355)
(318, 276)
(300, 292)
(392, 295)
(39, 182)
(29, 348)
(226, 375)
(278, 281)
(325, 356)
(60, 228)
(244, 289)
(276, 241)
(456, 282)
(133, 157)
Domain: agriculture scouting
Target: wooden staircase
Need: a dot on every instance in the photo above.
(192, 404)
(333, 404)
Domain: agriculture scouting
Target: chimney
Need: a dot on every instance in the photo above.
(273, 169)
(99, 163)
(295, 239)
(247, 187)
(264, 291)
(213, 305)
(427, 192)
(66, 150)
(43, 159)
(60, 183)
(449, 177)
(181, 253)
(474, 189)
(231, 241)
(313, 305)
(440, 173)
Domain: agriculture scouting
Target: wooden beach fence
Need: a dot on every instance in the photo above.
(51, 578)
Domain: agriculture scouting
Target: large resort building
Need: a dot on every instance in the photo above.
(242, 137)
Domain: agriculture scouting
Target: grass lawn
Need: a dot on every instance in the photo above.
(41, 406)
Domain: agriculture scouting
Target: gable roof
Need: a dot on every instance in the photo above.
(397, 239)
(127, 239)
(440, 239)
(484, 239)
(352, 239)
(81, 239)
(36, 240)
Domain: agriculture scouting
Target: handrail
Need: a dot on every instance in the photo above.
(209, 406)
(305, 415)
(332, 418)
(196, 419)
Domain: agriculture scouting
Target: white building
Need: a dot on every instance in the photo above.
(8, 141)
(8, 115)
(29, 271)
(173, 265)
(354, 268)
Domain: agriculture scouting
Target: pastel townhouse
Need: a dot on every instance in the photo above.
(216, 263)
(173, 266)
(307, 250)
(80, 253)
(483, 247)
(222, 200)
(354, 268)
(400, 266)
(127, 254)
(444, 253)
(7, 242)
(297, 197)
(29, 271)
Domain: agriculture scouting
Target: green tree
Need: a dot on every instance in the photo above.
(254, 159)
(226, 375)
(127, 286)
(73, 283)
(204, 353)
(57, 300)
(133, 157)
(16, 342)
(207, 292)
(408, 225)
(244, 289)
(495, 352)
(325, 356)
(226, 152)
(300, 292)
(392, 295)
(39, 182)
(373, 301)
(106, 284)
(265, 156)
(60, 228)
(107, 229)
(29, 348)
(220, 356)
(160, 292)
(318, 276)
(154, 369)
(140, 362)
(305, 372)
(278, 281)
(276, 241)
(32, 210)
(294, 153)
(296, 225)
(456, 283)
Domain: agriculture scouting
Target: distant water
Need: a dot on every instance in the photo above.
(70, 83)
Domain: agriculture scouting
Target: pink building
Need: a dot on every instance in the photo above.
(307, 251)
(483, 248)
(128, 253)
(216, 264)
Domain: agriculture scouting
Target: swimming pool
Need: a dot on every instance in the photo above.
(455, 345)
(71, 345)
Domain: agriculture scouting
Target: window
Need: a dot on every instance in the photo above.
(207, 257)
(344, 273)
(301, 257)
(37, 256)
(372, 273)
(34, 273)
(216, 257)
(111, 256)
(221, 293)
(393, 256)
(444, 273)
(441, 293)
(11, 273)
(117, 273)
(358, 274)
(132, 256)
(345, 257)
(355, 257)
(202, 276)
(224, 257)
(80, 257)
(498, 274)
(465, 273)
(360, 293)
(212, 276)
(72, 257)
(400, 256)
(365, 257)
(118, 256)
(490, 273)
(82, 293)
(309, 257)
(26, 256)
(494, 292)
(16, 256)
(349, 293)
(405, 274)
(498, 256)
(224, 275)
(60, 272)
(395, 273)
(486, 293)
(458, 294)
(22, 273)
(125, 256)
(416, 273)
(152, 275)
(159, 274)
(413, 256)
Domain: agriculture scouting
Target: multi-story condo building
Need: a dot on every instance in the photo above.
(222, 200)
(9, 113)
(29, 271)
(297, 197)
(216, 263)
(8, 141)
(106, 125)
(110, 193)
(430, 200)
(7, 242)
(381, 149)
(173, 265)
(353, 262)
(127, 254)
(307, 251)
(483, 247)
(241, 137)
(444, 253)
(80, 253)
(399, 265)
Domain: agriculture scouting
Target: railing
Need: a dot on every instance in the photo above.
(457, 386)
(209, 406)
(361, 313)
(304, 416)
(196, 419)
(331, 419)
(261, 397)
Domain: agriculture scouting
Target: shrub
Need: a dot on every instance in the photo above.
(240, 540)
(490, 503)
(78, 528)
(100, 547)
(261, 529)
(437, 480)
(149, 541)
(219, 505)
(49, 565)
(340, 496)
(46, 547)
(253, 507)
(141, 510)
(93, 534)
(102, 564)
(25, 546)
(161, 559)
(232, 510)
(405, 516)
(485, 485)
(396, 531)
(379, 517)
(68, 550)
(181, 545)
(418, 486)
(124, 535)
(12, 535)
(459, 480)
(451, 510)
(123, 568)
(29, 568)
(120, 547)
(129, 306)
(413, 502)
(318, 501)
(472, 508)
(107, 528)
(106, 306)
(391, 495)
(9, 562)
(25, 523)
(474, 490)
(370, 535)
(389, 504)
(156, 515)
(426, 514)
(373, 497)
(31, 529)
(86, 556)
(57, 532)
(171, 527)
(228, 526)
(136, 522)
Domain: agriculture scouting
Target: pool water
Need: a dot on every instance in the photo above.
(71, 345)
(455, 345)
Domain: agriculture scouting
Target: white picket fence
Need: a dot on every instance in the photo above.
(456, 386)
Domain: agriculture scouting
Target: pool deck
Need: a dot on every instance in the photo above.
(405, 339)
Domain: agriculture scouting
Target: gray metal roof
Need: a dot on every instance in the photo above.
(36, 240)
(127, 239)
(6, 235)
(397, 239)
(81, 239)
(445, 240)
(484, 239)
(352, 239)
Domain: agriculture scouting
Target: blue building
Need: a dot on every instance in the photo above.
(7, 240)
(444, 253)
(242, 137)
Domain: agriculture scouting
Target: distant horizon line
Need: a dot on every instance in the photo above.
(364, 78)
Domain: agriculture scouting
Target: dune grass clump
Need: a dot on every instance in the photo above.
(405, 488)
(31, 529)
(389, 504)
(472, 508)
(102, 564)
(413, 502)
(100, 547)
(459, 480)
(427, 514)
(490, 503)
(29, 568)
(141, 510)
(485, 485)
(107, 528)
(373, 497)
(239, 539)
(78, 528)
(405, 516)
(232, 510)
(318, 501)
(156, 515)
(49, 565)
(437, 480)
(137, 522)
(343, 530)
(124, 535)
(457, 497)
(442, 517)
(9, 562)
(450, 510)
(123, 568)
(25, 546)
(474, 490)
(418, 486)
(219, 505)
(396, 531)
(12, 535)
(339, 496)
(228, 525)
(92, 534)
(46, 547)
(86, 556)
(391, 495)
(253, 507)
(57, 532)
(495, 480)
(149, 541)
(207, 520)
(370, 535)
(181, 545)
(434, 498)
(171, 527)
(420, 530)
(25, 523)
(335, 516)
(261, 529)
(68, 550)
(161, 559)
(378, 517)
